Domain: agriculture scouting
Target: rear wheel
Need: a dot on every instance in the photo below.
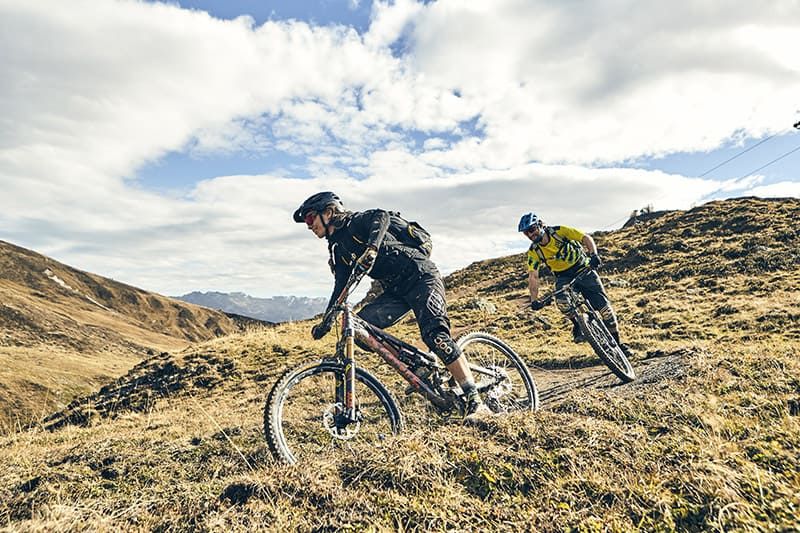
(303, 416)
(502, 378)
(606, 347)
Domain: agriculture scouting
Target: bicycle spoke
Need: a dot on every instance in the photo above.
(500, 374)
(607, 348)
(304, 419)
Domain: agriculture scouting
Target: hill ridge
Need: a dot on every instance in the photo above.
(64, 331)
(706, 439)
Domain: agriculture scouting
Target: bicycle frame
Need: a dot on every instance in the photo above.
(575, 299)
(401, 356)
(404, 358)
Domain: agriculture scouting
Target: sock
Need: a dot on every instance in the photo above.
(470, 390)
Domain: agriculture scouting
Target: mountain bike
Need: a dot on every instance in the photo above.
(594, 329)
(333, 402)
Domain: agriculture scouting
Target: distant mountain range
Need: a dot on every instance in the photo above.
(275, 309)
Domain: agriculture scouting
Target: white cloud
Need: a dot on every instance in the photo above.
(610, 81)
(389, 20)
(90, 90)
(783, 189)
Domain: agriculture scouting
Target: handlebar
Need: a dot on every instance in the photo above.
(549, 298)
(355, 278)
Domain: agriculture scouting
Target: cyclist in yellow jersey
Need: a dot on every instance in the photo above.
(563, 250)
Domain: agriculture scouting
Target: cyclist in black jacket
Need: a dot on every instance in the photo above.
(410, 280)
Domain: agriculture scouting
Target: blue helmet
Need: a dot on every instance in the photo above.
(528, 220)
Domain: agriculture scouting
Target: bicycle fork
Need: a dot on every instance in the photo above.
(346, 391)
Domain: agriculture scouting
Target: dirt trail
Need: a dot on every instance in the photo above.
(556, 385)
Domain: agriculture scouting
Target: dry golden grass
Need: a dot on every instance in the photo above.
(64, 332)
(706, 439)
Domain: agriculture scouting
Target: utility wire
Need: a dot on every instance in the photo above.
(756, 170)
(737, 155)
(773, 161)
(795, 125)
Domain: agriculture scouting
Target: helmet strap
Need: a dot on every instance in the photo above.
(325, 225)
(540, 237)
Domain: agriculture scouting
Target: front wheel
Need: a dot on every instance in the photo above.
(504, 382)
(304, 415)
(606, 347)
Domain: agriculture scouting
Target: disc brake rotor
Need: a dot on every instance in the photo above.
(334, 428)
(503, 385)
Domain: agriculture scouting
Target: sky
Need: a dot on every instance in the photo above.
(166, 145)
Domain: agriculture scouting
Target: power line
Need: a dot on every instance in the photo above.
(795, 125)
(762, 141)
(756, 170)
(627, 217)
(773, 161)
(737, 155)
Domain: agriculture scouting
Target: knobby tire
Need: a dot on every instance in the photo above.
(486, 350)
(292, 440)
(606, 347)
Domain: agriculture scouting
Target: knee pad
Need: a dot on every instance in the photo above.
(608, 314)
(442, 344)
(562, 304)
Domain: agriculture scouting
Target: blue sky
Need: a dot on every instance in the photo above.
(320, 12)
(737, 159)
(166, 144)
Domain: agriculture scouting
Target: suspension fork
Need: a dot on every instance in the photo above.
(346, 391)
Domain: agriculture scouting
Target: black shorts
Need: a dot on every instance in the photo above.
(424, 296)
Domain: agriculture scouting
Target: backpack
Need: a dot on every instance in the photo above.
(410, 233)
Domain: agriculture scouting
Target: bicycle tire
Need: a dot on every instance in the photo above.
(486, 350)
(290, 442)
(606, 348)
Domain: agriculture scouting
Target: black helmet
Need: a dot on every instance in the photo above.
(317, 203)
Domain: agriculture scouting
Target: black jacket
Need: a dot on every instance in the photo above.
(396, 265)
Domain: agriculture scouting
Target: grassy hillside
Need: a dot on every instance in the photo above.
(707, 438)
(64, 332)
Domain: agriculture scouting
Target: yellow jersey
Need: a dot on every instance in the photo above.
(563, 251)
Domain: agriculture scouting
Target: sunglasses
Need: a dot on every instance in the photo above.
(532, 230)
(309, 218)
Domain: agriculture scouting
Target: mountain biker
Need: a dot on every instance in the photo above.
(563, 249)
(410, 280)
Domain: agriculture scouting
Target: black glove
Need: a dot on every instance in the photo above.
(595, 262)
(367, 259)
(536, 305)
(320, 330)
